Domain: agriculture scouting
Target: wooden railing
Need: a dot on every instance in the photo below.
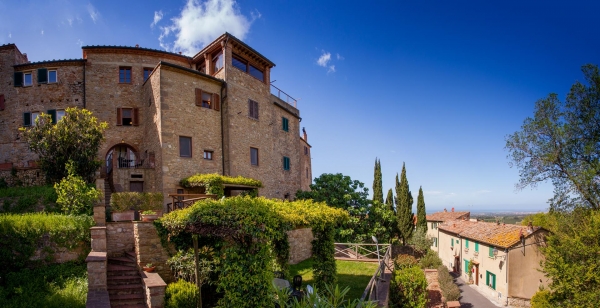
(361, 252)
(374, 285)
(181, 201)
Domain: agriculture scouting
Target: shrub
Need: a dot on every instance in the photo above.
(144, 201)
(408, 288)
(213, 182)
(449, 288)
(542, 299)
(403, 261)
(430, 260)
(181, 294)
(28, 199)
(75, 196)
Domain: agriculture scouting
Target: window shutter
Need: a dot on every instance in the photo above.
(216, 102)
(119, 117)
(42, 75)
(26, 118)
(52, 113)
(18, 79)
(136, 117)
(255, 110)
(1, 102)
(198, 97)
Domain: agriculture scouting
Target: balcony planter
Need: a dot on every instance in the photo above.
(149, 268)
(123, 216)
(149, 216)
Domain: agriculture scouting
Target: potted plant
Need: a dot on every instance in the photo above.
(470, 270)
(149, 215)
(149, 268)
(123, 206)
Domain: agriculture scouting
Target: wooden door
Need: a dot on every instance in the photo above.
(136, 186)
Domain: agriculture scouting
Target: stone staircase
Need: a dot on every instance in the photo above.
(107, 192)
(124, 282)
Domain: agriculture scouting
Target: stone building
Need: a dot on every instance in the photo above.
(169, 115)
(437, 218)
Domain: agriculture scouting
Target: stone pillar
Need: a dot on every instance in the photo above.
(300, 241)
(155, 290)
(148, 249)
(98, 239)
(96, 266)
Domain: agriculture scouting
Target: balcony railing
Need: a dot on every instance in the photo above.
(283, 96)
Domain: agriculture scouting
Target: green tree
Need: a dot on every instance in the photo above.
(389, 200)
(381, 221)
(377, 183)
(75, 196)
(76, 137)
(561, 143)
(340, 191)
(421, 213)
(404, 215)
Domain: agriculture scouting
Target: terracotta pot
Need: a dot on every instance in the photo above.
(149, 269)
(123, 216)
(152, 217)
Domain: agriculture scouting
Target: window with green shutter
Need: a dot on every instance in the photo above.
(285, 124)
(452, 242)
(490, 280)
(286, 163)
(52, 114)
(491, 251)
(466, 243)
(466, 266)
(42, 75)
(476, 247)
(26, 118)
(18, 79)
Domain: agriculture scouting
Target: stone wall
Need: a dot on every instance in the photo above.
(434, 292)
(148, 249)
(119, 238)
(519, 302)
(300, 244)
(23, 176)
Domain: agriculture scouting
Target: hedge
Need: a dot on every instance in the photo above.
(142, 201)
(28, 199)
(213, 182)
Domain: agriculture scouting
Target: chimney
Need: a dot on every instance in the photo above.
(305, 135)
(137, 46)
(445, 211)
(530, 227)
(452, 210)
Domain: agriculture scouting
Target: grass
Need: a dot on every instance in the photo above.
(355, 275)
(28, 199)
(57, 285)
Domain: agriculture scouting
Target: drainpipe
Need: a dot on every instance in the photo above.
(506, 264)
(84, 64)
(223, 85)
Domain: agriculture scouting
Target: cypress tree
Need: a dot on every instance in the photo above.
(389, 200)
(377, 185)
(404, 215)
(421, 216)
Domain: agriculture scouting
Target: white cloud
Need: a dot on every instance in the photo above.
(201, 22)
(324, 58)
(339, 57)
(42, 32)
(158, 15)
(94, 14)
(70, 21)
(10, 35)
(331, 69)
(79, 42)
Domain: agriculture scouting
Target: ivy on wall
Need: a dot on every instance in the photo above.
(254, 241)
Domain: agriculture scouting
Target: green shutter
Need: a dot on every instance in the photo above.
(452, 242)
(467, 243)
(26, 118)
(466, 266)
(476, 246)
(284, 124)
(18, 81)
(491, 252)
(42, 75)
(52, 113)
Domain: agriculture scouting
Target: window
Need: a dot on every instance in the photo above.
(491, 252)
(466, 266)
(52, 76)
(435, 242)
(490, 280)
(1, 102)
(127, 116)
(208, 155)
(243, 65)
(452, 242)
(207, 100)
(45, 75)
(466, 243)
(202, 68)
(285, 124)
(253, 109)
(254, 156)
(476, 247)
(217, 62)
(305, 150)
(56, 115)
(18, 79)
(124, 74)
(29, 118)
(185, 146)
(286, 163)
(27, 79)
(307, 173)
(147, 72)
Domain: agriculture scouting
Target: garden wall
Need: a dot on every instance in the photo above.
(24, 176)
(150, 250)
(119, 238)
(47, 250)
(300, 244)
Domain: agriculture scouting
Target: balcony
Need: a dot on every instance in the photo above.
(284, 97)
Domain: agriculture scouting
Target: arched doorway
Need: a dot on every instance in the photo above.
(120, 156)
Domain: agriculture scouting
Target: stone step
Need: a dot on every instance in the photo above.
(122, 261)
(127, 300)
(125, 289)
(123, 280)
(131, 254)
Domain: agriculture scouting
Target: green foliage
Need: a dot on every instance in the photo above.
(249, 227)
(181, 294)
(572, 260)
(408, 288)
(389, 201)
(183, 266)
(542, 299)
(340, 191)
(76, 137)
(53, 286)
(421, 213)
(332, 297)
(403, 261)
(404, 201)
(75, 196)
(21, 235)
(141, 201)
(547, 221)
(430, 260)
(561, 143)
(213, 182)
(450, 290)
(377, 182)
(28, 199)
(380, 222)
(420, 241)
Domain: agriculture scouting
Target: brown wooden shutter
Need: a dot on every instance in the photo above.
(136, 120)
(198, 97)
(1, 102)
(216, 102)
(256, 110)
(119, 117)
(250, 109)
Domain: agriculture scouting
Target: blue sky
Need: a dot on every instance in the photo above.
(435, 84)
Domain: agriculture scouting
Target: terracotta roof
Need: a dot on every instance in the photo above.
(499, 235)
(134, 48)
(443, 216)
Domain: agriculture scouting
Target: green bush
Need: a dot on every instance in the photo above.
(21, 235)
(430, 260)
(141, 201)
(449, 288)
(213, 183)
(403, 261)
(28, 199)
(181, 294)
(75, 196)
(408, 288)
(542, 299)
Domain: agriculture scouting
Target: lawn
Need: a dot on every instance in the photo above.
(56, 285)
(355, 275)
